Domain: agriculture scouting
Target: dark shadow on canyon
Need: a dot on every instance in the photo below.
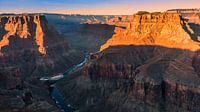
(80, 36)
(126, 55)
(120, 71)
(196, 30)
(88, 37)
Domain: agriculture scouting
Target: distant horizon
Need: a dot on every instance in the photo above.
(87, 14)
(93, 7)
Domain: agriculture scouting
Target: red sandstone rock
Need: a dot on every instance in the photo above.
(162, 29)
(158, 71)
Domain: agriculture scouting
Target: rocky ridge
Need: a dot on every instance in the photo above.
(164, 29)
(135, 79)
(30, 49)
(153, 65)
(18, 25)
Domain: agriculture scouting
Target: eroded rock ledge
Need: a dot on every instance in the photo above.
(20, 26)
(31, 49)
(135, 79)
(164, 29)
(158, 72)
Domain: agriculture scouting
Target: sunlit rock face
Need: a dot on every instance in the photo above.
(39, 35)
(150, 66)
(164, 29)
(30, 38)
(30, 49)
(19, 27)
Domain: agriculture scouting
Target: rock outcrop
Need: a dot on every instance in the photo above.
(156, 69)
(18, 25)
(135, 79)
(32, 36)
(164, 29)
(39, 35)
(30, 49)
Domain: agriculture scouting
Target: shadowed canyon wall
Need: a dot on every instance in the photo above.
(156, 69)
(30, 49)
(136, 79)
(83, 32)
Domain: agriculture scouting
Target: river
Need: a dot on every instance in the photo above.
(54, 91)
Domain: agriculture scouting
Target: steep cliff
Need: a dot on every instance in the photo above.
(31, 35)
(136, 79)
(156, 70)
(39, 35)
(164, 29)
(30, 49)
(17, 25)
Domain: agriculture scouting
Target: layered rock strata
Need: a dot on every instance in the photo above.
(18, 26)
(136, 79)
(164, 29)
(30, 49)
(156, 69)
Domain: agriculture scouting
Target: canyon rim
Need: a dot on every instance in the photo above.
(99, 56)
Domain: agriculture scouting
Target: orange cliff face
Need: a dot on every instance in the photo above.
(17, 27)
(23, 28)
(39, 35)
(163, 29)
(10, 27)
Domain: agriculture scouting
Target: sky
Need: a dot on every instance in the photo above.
(96, 7)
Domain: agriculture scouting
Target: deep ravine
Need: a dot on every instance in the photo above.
(54, 91)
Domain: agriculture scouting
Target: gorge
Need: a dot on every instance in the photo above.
(146, 62)
(30, 49)
(149, 66)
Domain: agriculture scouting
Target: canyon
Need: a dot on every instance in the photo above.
(146, 62)
(150, 65)
(122, 79)
(30, 49)
(83, 32)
